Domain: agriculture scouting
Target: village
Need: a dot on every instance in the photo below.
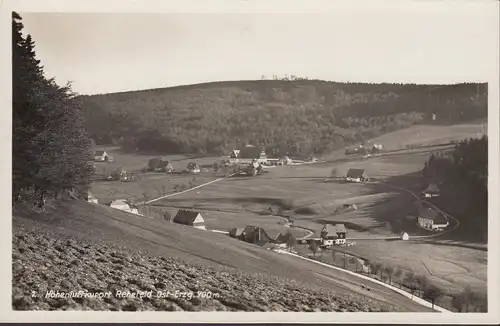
(253, 161)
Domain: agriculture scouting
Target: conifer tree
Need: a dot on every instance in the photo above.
(51, 149)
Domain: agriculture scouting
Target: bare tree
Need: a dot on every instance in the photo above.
(313, 247)
(291, 241)
(145, 197)
(389, 270)
(433, 294)
(458, 301)
(376, 268)
(397, 274)
(422, 282)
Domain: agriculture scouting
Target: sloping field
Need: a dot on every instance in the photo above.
(430, 135)
(101, 226)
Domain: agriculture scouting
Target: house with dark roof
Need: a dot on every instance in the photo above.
(356, 175)
(333, 234)
(432, 190)
(190, 218)
(256, 235)
(429, 218)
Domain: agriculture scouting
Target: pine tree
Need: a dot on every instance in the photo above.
(51, 149)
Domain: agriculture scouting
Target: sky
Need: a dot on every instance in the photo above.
(111, 52)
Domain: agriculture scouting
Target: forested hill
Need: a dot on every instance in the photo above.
(298, 117)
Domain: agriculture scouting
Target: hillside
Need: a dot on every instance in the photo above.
(297, 117)
(122, 251)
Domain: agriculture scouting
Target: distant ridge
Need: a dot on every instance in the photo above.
(288, 117)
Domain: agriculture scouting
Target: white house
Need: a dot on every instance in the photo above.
(122, 205)
(333, 234)
(405, 236)
(101, 156)
(431, 219)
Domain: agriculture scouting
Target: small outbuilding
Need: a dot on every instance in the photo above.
(405, 236)
(190, 218)
(432, 190)
(101, 156)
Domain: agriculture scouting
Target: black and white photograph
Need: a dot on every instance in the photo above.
(251, 160)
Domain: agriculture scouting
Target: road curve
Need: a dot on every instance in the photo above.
(393, 288)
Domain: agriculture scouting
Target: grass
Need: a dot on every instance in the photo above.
(301, 193)
(153, 184)
(98, 224)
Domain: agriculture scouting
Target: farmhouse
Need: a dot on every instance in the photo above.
(190, 218)
(431, 219)
(250, 152)
(333, 234)
(431, 191)
(101, 156)
(255, 235)
(193, 168)
(123, 205)
(356, 175)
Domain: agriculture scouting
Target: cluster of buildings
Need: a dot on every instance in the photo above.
(364, 149)
(250, 154)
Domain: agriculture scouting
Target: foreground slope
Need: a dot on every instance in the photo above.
(117, 250)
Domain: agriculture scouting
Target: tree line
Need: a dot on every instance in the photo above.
(50, 147)
(466, 300)
(295, 117)
(462, 177)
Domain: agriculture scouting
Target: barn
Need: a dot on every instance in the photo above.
(190, 218)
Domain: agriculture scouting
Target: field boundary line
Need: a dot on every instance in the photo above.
(391, 287)
(185, 191)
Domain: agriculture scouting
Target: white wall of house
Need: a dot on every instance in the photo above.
(339, 241)
(425, 222)
(328, 242)
(198, 219)
(440, 226)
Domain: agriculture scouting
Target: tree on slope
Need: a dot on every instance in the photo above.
(51, 149)
(432, 293)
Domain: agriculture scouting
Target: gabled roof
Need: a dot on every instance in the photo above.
(431, 188)
(333, 229)
(431, 214)
(355, 173)
(185, 217)
(99, 153)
